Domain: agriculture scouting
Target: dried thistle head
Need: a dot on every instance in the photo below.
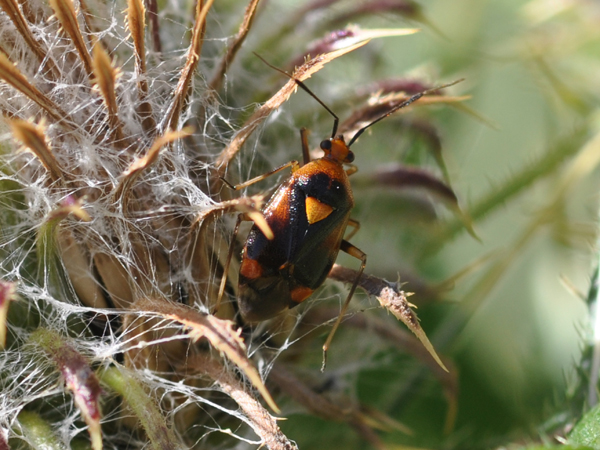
(111, 235)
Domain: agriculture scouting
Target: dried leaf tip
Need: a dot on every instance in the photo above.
(33, 137)
(13, 76)
(345, 37)
(136, 24)
(396, 303)
(64, 11)
(105, 80)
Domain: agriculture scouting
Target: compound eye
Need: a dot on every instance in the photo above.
(326, 144)
(350, 157)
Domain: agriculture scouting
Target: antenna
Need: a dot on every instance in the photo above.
(336, 119)
(405, 103)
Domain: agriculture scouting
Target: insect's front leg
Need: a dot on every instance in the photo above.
(240, 218)
(236, 187)
(351, 170)
(305, 149)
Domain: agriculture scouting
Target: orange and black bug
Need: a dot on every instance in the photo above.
(308, 216)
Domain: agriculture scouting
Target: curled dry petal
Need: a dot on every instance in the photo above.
(79, 378)
(250, 206)
(71, 205)
(220, 333)
(138, 166)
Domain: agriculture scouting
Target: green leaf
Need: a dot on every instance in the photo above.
(587, 431)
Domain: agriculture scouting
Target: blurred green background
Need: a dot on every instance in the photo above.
(515, 323)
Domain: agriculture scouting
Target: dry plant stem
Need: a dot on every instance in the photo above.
(136, 23)
(263, 424)
(392, 299)
(220, 333)
(7, 295)
(302, 73)
(191, 63)
(87, 18)
(320, 405)
(64, 10)
(152, 7)
(217, 80)
(11, 8)
(11, 75)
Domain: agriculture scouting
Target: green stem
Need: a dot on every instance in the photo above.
(38, 432)
(540, 168)
(124, 383)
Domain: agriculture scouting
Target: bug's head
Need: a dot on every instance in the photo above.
(335, 148)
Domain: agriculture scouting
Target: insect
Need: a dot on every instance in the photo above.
(308, 215)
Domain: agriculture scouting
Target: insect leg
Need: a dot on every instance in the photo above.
(239, 220)
(351, 170)
(358, 254)
(293, 164)
(305, 150)
(354, 224)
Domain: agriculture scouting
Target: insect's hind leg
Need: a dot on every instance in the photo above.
(346, 247)
(355, 224)
(240, 218)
